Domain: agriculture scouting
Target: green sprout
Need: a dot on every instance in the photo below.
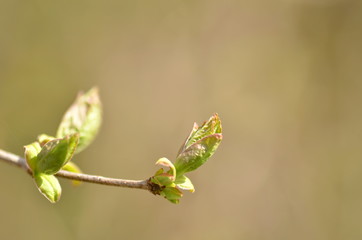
(196, 150)
(78, 128)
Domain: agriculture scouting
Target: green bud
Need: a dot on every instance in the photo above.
(163, 178)
(31, 152)
(211, 126)
(167, 163)
(83, 117)
(184, 183)
(49, 186)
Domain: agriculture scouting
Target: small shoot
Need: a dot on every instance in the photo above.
(78, 128)
(49, 154)
(199, 146)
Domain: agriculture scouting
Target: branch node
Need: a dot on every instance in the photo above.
(154, 188)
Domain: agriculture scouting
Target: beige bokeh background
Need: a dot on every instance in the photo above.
(284, 76)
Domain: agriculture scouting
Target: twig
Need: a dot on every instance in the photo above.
(140, 184)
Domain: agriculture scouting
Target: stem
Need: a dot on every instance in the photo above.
(141, 184)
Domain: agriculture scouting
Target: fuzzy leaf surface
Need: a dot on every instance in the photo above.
(197, 154)
(31, 152)
(55, 154)
(172, 194)
(83, 117)
(210, 127)
(49, 186)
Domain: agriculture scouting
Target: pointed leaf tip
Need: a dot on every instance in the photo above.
(83, 117)
(49, 186)
(167, 163)
(211, 126)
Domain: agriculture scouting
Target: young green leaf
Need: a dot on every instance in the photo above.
(172, 194)
(163, 179)
(195, 127)
(31, 152)
(199, 146)
(167, 163)
(184, 183)
(197, 154)
(211, 126)
(49, 186)
(55, 154)
(83, 117)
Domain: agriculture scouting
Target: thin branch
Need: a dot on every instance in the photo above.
(141, 184)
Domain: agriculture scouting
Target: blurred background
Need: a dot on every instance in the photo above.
(284, 76)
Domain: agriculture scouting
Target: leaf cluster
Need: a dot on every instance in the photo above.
(48, 155)
(78, 128)
(199, 146)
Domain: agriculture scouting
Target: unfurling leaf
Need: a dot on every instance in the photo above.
(167, 163)
(172, 194)
(197, 154)
(55, 154)
(195, 127)
(199, 146)
(49, 186)
(163, 178)
(83, 117)
(184, 183)
(31, 152)
(76, 131)
(211, 126)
